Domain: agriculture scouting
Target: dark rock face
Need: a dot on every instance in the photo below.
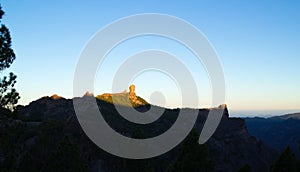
(232, 147)
(46, 121)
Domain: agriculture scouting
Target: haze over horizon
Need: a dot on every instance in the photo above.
(257, 43)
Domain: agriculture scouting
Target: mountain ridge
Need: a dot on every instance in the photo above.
(53, 119)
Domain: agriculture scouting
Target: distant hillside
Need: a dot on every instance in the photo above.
(277, 132)
(288, 116)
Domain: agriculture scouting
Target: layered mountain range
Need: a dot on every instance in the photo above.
(277, 132)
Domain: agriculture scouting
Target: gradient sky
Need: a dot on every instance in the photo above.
(257, 42)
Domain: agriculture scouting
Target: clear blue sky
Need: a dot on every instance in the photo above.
(257, 41)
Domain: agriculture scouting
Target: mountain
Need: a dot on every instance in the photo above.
(277, 132)
(45, 136)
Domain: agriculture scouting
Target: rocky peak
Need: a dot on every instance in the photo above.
(223, 106)
(88, 94)
(132, 90)
(225, 109)
(55, 97)
(132, 95)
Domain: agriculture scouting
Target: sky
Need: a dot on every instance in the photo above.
(257, 43)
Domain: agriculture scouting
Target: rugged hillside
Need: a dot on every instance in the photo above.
(46, 133)
(277, 132)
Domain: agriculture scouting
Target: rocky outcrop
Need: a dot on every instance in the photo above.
(124, 98)
(131, 93)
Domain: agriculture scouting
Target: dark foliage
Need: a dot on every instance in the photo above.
(245, 168)
(192, 156)
(8, 94)
(287, 162)
(66, 158)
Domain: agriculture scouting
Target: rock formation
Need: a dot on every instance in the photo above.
(131, 93)
(123, 98)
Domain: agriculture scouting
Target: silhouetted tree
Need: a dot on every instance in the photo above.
(192, 156)
(66, 158)
(28, 164)
(245, 168)
(287, 161)
(8, 94)
(137, 165)
(298, 159)
(11, 141)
